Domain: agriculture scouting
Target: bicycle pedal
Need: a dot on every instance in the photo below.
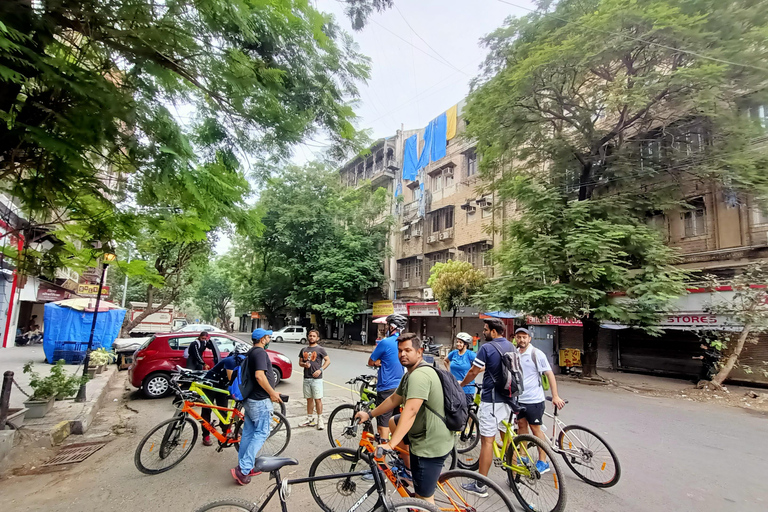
(497, 463)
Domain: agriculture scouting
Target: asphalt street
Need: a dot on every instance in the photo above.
(675, 455)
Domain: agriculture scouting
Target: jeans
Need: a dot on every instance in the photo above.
(258, 417)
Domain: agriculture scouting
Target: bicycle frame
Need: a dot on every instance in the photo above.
(559, 426)
(499, 451)
(226, 439)
(199, 388)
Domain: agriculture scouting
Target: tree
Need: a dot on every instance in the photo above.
(90, 94)
(215, 291)
(455, 284)
(747, 308)
(572, 100)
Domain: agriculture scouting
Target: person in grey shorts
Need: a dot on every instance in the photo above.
(314, 359)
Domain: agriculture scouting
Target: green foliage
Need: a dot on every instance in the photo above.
(56, 383)
(100, 357)
(114, 111)
(455, 284)
(215, 287)
(318, 246)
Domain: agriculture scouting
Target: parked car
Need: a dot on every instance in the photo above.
(125, 348)
(159, 355)
(294, 333)
(199, 328)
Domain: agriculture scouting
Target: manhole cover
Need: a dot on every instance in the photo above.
(75, 453)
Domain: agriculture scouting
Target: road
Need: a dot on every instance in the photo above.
(675, 455)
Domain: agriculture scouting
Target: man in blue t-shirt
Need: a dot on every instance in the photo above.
(493, 408)
(385, 356)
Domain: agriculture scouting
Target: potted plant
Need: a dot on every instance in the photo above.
(99, 360)
(56, 385)
(16, 416)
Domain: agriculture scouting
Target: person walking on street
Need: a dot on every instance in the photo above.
(534, 365)
(710, 359)
(494, 408)
(196, 350)
(257, 407)
(385, 357)
(459, 362)
(314, 359)
(221, 375)
(420, 425)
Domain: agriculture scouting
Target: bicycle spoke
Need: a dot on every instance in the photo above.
(452, 493)
(340, 495)
(588, 456)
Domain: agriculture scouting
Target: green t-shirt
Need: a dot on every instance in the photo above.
(429, 436)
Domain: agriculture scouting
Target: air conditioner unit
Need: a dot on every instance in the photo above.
(431, 239)
(406, 236)
(417, 233)
(484, 202)
(446, 235)
(443, 235)
(428, 294)
(448, 173)
(406, 284)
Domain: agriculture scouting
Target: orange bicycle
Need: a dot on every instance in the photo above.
(338, 495)
(168, 443)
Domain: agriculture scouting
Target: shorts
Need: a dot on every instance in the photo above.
(383, 420)
(313, 388)
(426, 471)
(533, 413)
(491, 415)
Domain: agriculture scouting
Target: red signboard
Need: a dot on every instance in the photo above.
(51, 294)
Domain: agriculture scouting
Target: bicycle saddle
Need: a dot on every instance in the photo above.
(269, 464)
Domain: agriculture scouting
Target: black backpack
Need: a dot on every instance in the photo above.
(454, 402)
(511, 382)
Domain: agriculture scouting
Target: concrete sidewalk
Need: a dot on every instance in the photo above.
(14, 358)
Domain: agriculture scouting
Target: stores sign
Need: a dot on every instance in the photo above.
(51, 294)
(91, 290)
(431, 309)
(553, 320)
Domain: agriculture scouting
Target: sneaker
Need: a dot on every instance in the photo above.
(254, 473)
(207, 441)
(368, 476)
(475, 488)
(309, 422)
(524, 460)
(543, 467)
(402, 472)
(320, 424)
(239, 477)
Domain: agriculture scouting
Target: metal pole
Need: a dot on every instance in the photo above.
(81, 392)
(125, 285)
(5, 397)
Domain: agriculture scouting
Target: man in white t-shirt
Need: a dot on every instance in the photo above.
(532, 398)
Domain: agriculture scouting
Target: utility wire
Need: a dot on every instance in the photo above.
(422, 39)
(638, 39)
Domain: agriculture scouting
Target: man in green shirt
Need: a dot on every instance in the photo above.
(429, 439)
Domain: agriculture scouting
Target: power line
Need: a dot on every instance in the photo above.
(638, 39)
(422, 39)
(422, 51)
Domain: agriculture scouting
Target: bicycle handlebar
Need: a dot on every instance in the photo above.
(380, 452)
(549, 399)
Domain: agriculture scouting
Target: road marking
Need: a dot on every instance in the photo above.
(345, 388)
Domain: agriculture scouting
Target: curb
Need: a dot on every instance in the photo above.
(85, 418)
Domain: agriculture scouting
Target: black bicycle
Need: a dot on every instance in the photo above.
(342, 417)
(346, 486)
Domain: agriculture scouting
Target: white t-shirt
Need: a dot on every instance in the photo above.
(533, 392)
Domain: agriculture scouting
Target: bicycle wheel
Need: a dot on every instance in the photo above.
(229, 506)
(409, 505)
(589, 456)
(452, 493)
(169, 443)
(535, 491)
(279, 436)
(340, 495)
(468, 444)
(342, 417)
(450, 461)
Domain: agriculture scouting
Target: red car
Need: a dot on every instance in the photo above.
(158, 356)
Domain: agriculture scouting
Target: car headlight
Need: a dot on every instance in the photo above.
(283, 358)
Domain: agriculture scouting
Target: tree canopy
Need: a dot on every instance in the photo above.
(455, 285)
(571, 114)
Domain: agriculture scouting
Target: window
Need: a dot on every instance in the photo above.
(759, 113)
(658, 221)
(437, 257)
(224, 344)
(471, 255)
(650, 152)
(759, 216)
(180, 343)
(695, 219)
(442, 219)
(435, 222)
(471, 162)
(487, 212)
(447, 178)
(436, 182)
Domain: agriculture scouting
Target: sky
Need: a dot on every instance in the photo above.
(424, 53)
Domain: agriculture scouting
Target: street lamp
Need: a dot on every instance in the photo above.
(107, 257)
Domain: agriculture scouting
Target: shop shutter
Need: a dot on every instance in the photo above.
(669, 353)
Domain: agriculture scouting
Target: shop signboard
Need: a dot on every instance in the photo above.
(51, 294)
(400, 308)
(553, 320)
(383, 308)
(423, 309)
(91, 290)
(570, 357)
(254, 314)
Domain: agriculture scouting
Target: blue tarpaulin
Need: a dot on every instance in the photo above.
(426, 151)
(409, 158)
(439, 137)
(67, 330)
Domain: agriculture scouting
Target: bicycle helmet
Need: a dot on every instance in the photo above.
(397, 321)
(241, 348)
(466, 338)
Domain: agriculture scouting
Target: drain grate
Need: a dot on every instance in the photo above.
(75, 453)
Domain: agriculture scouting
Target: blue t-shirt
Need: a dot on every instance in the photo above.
(218, 372)
(460, 365)
(489, 359)
(391, 371)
